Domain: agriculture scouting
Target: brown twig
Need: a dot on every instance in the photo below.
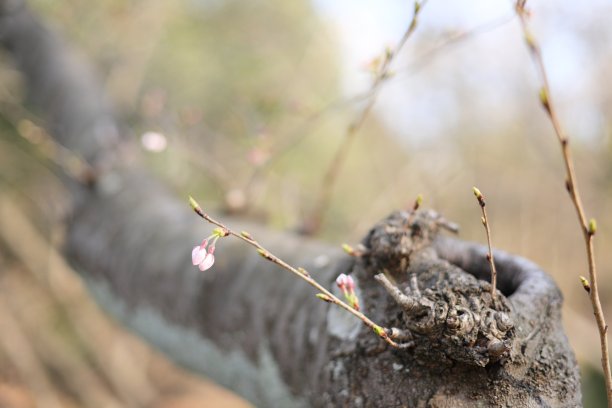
(485, 223)
(313, 224)
(302, 273)
(588, 228)
(464, 35)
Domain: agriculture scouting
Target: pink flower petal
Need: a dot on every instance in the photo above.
(341, 280)
(350, 283)
(197, 255)
(207, 263)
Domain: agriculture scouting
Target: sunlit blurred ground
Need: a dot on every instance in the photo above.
(244, 105)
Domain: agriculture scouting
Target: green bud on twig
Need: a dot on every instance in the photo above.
(585, 284)
(530, 40)
(544, 99)
(220, 232)
(592, 226)
(352, 251)
(379, 330)
(388, 53)
(303, 272)
(324, 297)
(479, 196)
(246, 235)
(348, 249)
(418, 202)
(264, 254)
(195, 206)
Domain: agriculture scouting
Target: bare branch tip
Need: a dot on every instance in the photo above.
(417, 202)
(195, 206)
(479, 196)
(349, 250)
(592, 229)
(585, 284)
(544, 99)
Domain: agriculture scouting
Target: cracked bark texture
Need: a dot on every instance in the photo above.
(263, 333)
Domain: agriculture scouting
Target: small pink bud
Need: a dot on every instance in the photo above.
(208, 262)
(197, 255)
(350, 283)
(341, 280)
(354, 301)
(203, 257)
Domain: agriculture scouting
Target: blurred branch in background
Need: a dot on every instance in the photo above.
(588, 228)
(381, 68)
(454, 38)
(263, 157)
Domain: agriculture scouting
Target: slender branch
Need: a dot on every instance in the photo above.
(313, 224)
(588, 228)
(460, 36)
(485, 223)
(302, 273)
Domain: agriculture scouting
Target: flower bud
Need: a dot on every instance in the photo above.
(585, 284)
(592, 226)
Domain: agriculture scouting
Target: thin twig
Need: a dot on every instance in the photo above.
(313, 224)
(302, 273)
(588, 228)
(485, 223)
(422, 60)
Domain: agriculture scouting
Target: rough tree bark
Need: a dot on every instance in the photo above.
(262, 333)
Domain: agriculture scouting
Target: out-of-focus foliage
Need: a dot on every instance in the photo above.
(227, 81)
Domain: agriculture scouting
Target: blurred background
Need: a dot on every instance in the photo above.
(244, 104)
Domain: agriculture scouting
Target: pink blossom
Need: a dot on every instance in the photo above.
(347, 286)
(202, 257)
(199, 253)
(341, 280)
(208, 262)
(350, 283)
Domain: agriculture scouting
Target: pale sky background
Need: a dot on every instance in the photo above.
(424, 104)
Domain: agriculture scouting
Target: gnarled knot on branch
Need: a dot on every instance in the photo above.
(447, 313)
